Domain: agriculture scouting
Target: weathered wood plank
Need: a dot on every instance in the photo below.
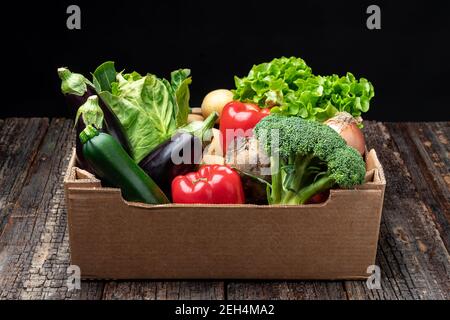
(35, 240)
(167, 290)
(286, 290)
(412, 256)
(425, 149)
(90, 290)
(436, 137)
(19, 142)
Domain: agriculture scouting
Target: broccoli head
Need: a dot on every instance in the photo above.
(307, 158)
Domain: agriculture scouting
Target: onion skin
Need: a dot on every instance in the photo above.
(347, 127)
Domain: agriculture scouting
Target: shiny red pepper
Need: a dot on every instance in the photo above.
(238, 120)
(212, 184)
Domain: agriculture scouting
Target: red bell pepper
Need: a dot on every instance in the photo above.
(212, 184)
(238, 120)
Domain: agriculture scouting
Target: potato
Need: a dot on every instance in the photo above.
(194, 117)
(215, 101)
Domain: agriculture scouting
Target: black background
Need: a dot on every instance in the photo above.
(407, 60)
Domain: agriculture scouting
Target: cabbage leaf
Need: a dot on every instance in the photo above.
(147, 109)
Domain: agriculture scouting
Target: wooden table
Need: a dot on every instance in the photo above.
(413, 249)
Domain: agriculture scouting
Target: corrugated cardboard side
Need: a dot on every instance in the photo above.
(113, 239)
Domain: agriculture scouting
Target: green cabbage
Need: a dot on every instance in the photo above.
(150, 109)
(180, 82)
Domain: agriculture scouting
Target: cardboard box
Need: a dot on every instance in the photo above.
(113, 239)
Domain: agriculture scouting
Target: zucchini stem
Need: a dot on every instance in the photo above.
(88, 133)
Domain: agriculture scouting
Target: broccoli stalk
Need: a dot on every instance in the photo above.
(298, 187)
(309, 158)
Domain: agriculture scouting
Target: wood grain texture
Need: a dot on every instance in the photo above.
(168, 290)
(35, 238)
(20, 140)
(286, 290)
(425, 150)
(413, 251)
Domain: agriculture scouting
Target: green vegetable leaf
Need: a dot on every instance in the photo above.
(132, 76)
(91, 113)
(104, 76)
(146, 107)
(180, 82)
(288, 86)
(72, 83)
(150, 109)
(178, 76)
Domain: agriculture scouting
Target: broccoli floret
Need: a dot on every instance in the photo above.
(307, 158)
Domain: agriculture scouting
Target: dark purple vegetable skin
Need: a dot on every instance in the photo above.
(159, 165)
(111, 125)
(74, 102)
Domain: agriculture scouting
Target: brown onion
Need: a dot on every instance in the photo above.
(347, 126)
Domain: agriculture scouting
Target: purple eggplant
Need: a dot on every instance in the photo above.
(170, 159)
(77, 89)
(159, 164)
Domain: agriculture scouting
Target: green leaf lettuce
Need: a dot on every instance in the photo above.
(288, 86)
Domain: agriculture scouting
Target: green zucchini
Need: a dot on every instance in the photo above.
(113, 165)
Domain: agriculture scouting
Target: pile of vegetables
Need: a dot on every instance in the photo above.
(283, 136)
